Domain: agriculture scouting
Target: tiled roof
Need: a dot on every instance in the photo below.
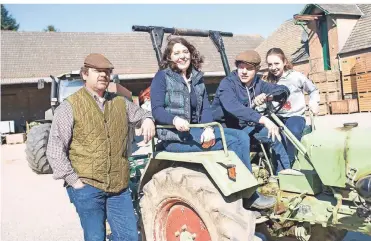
(35, 54)
(287, 37)
(360, 38)
(301, 54)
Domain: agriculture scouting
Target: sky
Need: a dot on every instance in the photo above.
(260, 19)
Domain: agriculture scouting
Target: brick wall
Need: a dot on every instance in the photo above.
(333, 42)
(315, 47)
(303, 67)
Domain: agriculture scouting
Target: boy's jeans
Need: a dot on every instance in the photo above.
(279, 153)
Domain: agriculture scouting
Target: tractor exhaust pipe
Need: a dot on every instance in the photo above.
(53, 94)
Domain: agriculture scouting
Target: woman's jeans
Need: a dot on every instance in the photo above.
(236, 140)
(296, 125)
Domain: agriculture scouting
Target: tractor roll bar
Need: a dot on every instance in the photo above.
(157, 36)
(180, 31)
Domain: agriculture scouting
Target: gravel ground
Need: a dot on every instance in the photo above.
(36, 207)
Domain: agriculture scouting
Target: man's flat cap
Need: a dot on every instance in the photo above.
(249, 57)
(97, 61)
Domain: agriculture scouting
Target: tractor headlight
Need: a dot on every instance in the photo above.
(363, 187)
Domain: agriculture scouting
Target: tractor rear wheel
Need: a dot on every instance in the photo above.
(183, 204)
(37, 140)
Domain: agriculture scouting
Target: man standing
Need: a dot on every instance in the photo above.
(235, 97)
(87, 148)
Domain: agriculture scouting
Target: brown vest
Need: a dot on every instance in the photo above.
(99, 141)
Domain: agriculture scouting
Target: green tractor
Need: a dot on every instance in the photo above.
(199, 196)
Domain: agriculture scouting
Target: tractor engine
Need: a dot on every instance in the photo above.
(341, 157)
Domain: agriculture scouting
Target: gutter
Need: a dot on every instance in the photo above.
(15, 81)
(124, 77)
(152, 75)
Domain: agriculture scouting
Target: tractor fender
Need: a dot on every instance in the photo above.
(215, 165)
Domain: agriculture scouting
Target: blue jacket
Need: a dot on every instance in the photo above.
(170, 97)
(231, 105)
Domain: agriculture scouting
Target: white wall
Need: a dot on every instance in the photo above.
(344, 27)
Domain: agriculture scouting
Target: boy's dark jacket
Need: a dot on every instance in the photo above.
(231, 105)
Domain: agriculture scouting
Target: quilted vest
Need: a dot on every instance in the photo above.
(99, 141)
(177, 101)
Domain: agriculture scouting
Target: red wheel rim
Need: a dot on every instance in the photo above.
(177, 220)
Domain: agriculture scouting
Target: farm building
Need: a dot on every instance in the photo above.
(331, 44)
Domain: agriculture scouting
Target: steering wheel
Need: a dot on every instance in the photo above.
(279, 96)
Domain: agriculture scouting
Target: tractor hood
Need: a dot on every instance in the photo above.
(338, 153)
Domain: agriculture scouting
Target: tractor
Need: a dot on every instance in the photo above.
(199, 196)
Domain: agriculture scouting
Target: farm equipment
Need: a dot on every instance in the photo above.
(199, 196)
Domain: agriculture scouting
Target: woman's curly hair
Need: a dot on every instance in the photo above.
(196, 58)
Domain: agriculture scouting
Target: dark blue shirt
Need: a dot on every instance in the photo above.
(193, 106)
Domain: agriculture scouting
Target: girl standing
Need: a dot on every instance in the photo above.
(292, 113)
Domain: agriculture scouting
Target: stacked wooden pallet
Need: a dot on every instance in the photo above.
(364, 92)
(329, 86)
(356, 79)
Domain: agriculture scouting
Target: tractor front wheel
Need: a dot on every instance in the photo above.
(183, 204)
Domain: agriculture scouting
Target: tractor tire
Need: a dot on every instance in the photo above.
(318, 233)
(37, 140)
(183, 204)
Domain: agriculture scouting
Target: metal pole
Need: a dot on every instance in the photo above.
(217, 39)
(157, 34)
(289, 135)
